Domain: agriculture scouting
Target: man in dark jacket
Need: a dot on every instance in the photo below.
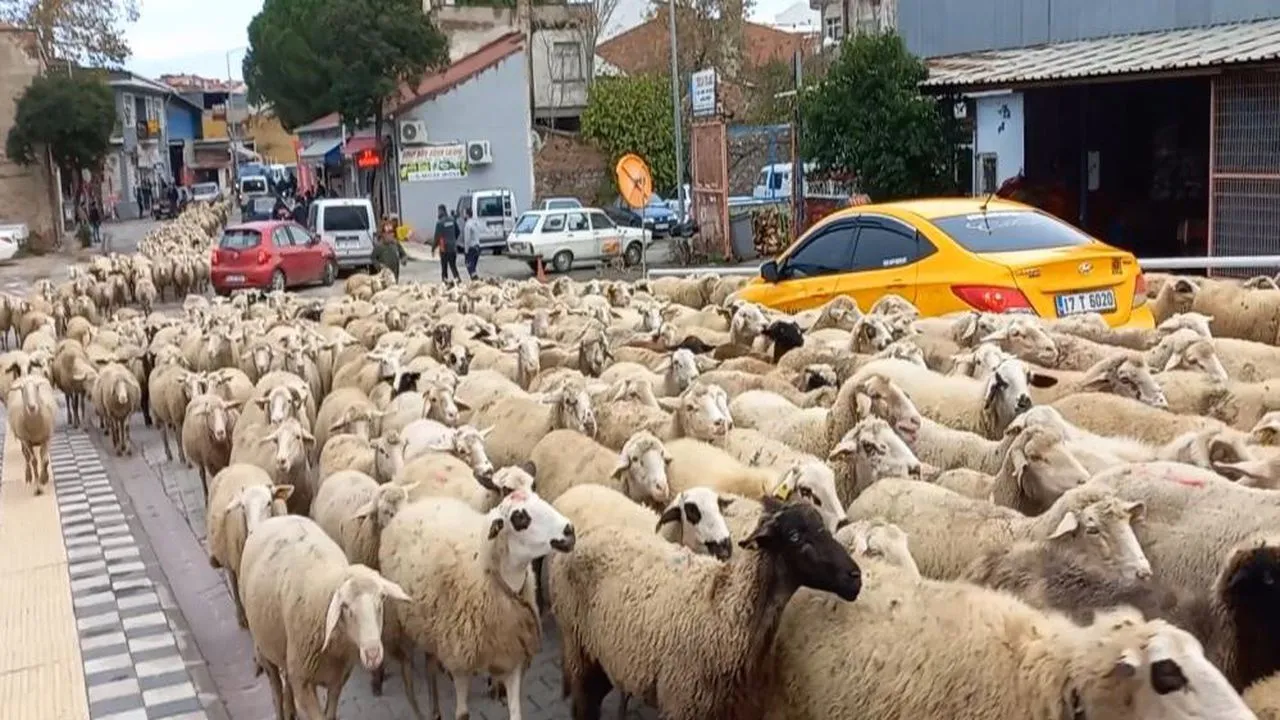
(446, 237)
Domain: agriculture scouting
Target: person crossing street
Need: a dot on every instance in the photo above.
(471, 242)
(447, 242)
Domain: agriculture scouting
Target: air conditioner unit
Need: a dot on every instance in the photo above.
(413, 132)
(479, 152)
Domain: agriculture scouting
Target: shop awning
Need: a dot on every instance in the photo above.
(1188, 49)
(326, 151)
(359, 143)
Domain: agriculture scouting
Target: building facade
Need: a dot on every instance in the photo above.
(471, 130)
(138, 164)
(1191, 166)
(28, 193)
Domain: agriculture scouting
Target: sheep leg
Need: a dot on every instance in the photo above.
(182, 454)
(461, 687)
(376, 678)
(406, 676)
(235, 597)
(277, 688)
(511, 683)
(332, 694)
(43, 455)
(433, 689)
(588, 688)
(622, 705)
(164, 438)
(306, 697)
(127, 436)
(204, 480)
(28, 465)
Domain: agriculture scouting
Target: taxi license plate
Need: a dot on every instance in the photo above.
(1097, 301)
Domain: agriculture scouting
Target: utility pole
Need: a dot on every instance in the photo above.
(675, 111)
(231, 135)
(797, 162)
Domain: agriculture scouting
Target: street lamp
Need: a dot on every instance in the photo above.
(231, 137)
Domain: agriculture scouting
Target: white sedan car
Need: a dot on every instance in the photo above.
(565, 237)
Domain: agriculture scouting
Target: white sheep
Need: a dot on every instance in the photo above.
(693, 519)
(284, 453)
(311, 613)
(239, 498)
(31, 406)
(206, 434)
(565, 458)
(471, 584)
(931, 516)
(519, 422)
(697, 413)
(466, 443)
(116, 396)
(354, 509)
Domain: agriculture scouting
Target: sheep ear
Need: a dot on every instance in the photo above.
(842, 450)
(1137, 510)
(307, 437)
(995, 337)
(764, 531)
(723, 502)
(1018, 459)
(495, 527)
(333, 615)
(281, 492)
(1067, 526)
(463, 406)
(484, 434)
(1172, 362)
(340, 422)
(862, 403)
(670, 515)
(624, 462)
(1041, 380)
(394, 591)
(669, 404)
(236, 503)
(366, 509)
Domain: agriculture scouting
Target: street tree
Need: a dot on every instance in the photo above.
(75, 32)
(633, 115)
(69, 116)
(379, 58)
(284, 67)
(867, 117)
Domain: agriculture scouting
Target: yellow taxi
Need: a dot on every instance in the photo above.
(948, 255)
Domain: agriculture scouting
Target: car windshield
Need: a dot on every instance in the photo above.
(205, 189)
(526, 224)
(239, 239)
(345, 218)
(253, 185)
(1009, 231)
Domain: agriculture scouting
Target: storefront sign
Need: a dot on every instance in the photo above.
(433, 162)
(368, 158)
(702, 92)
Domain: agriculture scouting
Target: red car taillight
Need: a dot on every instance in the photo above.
(994, 299)
(1139, 290)
(263, 257)
(213, 258)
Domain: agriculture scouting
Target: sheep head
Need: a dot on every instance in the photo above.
(870, 334)
(531, 528)
(876, 395)
(876, 451)
(880, 541)
(1023, 337)
(795, 535)
(642, 468)
(1103, 530)
(355, 610)
(1042, 468)
(1125, 375)
(701, 412)
(814, 483)
(695, 519)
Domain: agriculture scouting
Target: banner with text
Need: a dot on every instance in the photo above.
(433, 162)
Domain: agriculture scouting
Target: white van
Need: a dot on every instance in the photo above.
(348, 226)
(496, 208)
(774, 182)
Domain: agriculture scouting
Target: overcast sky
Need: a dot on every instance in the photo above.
(189, 36)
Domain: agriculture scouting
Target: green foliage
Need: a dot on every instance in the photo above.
(81, 32)
(284, 66)
(867, 117)
(763, 107)
(71, 116)
(304, 67)
(633, 115)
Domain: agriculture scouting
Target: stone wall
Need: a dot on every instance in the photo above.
(26, 192)
(568, 166)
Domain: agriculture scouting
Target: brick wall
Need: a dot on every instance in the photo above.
(25, 192)
(568, 166)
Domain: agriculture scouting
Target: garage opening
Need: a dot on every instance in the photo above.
(1126, 161)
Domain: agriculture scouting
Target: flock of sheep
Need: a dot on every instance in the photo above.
(729, 511)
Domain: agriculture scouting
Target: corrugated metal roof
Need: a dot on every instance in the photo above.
(1184, 49)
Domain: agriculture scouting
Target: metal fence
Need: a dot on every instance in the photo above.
(1244, 166)
(1256, 263)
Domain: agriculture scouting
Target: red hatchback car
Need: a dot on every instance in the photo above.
(272, 255)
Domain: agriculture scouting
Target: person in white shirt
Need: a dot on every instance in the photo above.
(471, 242)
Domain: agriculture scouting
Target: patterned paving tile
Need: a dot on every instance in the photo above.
(132, 665)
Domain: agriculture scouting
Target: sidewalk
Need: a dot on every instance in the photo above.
(41, 671)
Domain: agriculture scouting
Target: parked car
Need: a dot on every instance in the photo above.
(950, 255)
(560, 203)
(347, 226)
(12, 238)
(563, 238)
(624, 216)
(259, 207)
(658, 218)
(206, 192)
(270, 255)
(496, 209)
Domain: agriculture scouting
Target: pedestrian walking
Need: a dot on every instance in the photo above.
(471, 242)
(447, 243)
(387, 253)
(95, 221)
(137, 196)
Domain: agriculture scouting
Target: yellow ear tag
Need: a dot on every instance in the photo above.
(783, 491)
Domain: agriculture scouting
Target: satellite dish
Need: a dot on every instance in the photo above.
(635, 183)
